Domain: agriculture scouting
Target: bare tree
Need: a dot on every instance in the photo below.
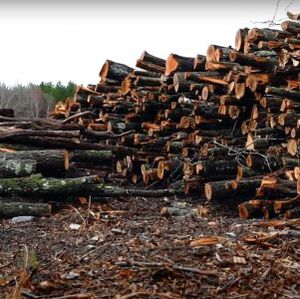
(27, 101)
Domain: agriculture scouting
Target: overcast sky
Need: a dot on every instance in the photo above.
(70, 40)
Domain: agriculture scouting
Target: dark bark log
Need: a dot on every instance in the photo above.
(14, 209)
(199, 63)
(218, 53)
(176, 63)
(252, 60)
(253, 208)
(273, 188)
(147, 81)
(263, 163)
(281, 206)
(180, 83)
(291, 94)
(7, 112)
(263, 34)
(114, 70)
(50, 142)
(148, 58)
(229, 189)
(150, 67)
(293, 213)
(208, 168)
(107, 88)
(290, 26)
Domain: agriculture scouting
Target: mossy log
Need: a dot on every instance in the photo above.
(17, 168)
(48, 162)
(14, 209)
(102, 157)
(38, 186)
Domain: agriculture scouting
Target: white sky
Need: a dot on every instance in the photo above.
(69, 40)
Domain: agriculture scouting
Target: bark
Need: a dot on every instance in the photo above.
(281, 206)
(292, 27)
(253, 208)
(293, 213)
(212, 168)
(176, 63)
(146, 57)
(229, 189)
(291, 94)
(14, 209)
(17, 168)
(94, 157)
(114, 70)
(199, 63)
(7, 112)
(252, 60)
(150, 67)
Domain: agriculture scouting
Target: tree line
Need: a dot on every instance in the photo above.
(34, 100)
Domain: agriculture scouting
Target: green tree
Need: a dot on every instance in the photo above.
(58, 91)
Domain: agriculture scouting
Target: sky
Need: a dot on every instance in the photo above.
(70, 40)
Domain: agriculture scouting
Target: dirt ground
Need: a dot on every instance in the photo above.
(127, 249)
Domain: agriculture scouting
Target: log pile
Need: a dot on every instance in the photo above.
(222, 126)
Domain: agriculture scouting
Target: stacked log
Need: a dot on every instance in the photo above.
(219, 126)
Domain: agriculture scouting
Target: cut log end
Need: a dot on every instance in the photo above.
(104, 70)
(243, 211)
(208, 191)
(171, 65)
(66, 160)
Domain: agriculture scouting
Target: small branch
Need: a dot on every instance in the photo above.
(172, 266)
(76, 116)
(106, 134)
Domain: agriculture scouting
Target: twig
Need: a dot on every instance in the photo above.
(75, 296)
(274, 16)
(132, 295)
(173, 266)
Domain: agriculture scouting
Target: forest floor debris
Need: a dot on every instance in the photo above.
(127, 249)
